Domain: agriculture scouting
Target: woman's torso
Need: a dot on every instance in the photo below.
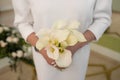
(46, 12)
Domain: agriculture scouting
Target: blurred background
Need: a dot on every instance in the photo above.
(104, 62)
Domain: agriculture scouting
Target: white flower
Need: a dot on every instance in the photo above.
(71, 40)
(26, 55)
(79, 36)
(29, 49)
(63, 44)
(1, 29)
(74, 24)
(59, 24)
(14, 31)
(56, 39)
(3, 44)
(52, 52)
(42, 42)
(44, 37)
(43, 32)
(9, 39)
(6, 28)
(65, 59)
(14, 54)
(15, 40)
(12, 39)
(19, 53)
(60, 35)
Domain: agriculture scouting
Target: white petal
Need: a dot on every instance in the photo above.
(71, 40)
(43, 32)
(64, 44)
(60, 35)
(74, 24)
(79, 36)
(64, 59)
(59, 24)
(52, 52)
(42, 42)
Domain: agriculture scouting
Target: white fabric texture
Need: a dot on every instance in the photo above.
(32, 15)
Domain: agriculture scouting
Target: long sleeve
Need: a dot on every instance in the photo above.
(23, 19)
(102, 17)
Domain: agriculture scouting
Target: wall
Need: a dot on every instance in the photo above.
(116, 5)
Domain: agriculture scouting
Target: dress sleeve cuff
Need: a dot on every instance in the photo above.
(98, 28)
(25, 30)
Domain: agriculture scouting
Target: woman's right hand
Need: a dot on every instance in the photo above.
(32, 39)
(44, 54)
(49, 60)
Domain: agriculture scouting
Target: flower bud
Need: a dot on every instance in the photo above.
(3, 44)
(15, 40)
(9, 39)
(19, 53)
(1, 29)
(14, 54)
(6, 28)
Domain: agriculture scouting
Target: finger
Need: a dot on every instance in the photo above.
(60, 68)
(53, 62)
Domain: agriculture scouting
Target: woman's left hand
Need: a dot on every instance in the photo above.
(74, 48)
(89, 37)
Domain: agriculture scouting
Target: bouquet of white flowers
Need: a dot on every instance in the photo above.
(55, 40)
(11, 44)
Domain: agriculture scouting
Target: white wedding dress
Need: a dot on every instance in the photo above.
(32, 15)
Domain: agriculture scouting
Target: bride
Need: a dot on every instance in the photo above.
(32, 15)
